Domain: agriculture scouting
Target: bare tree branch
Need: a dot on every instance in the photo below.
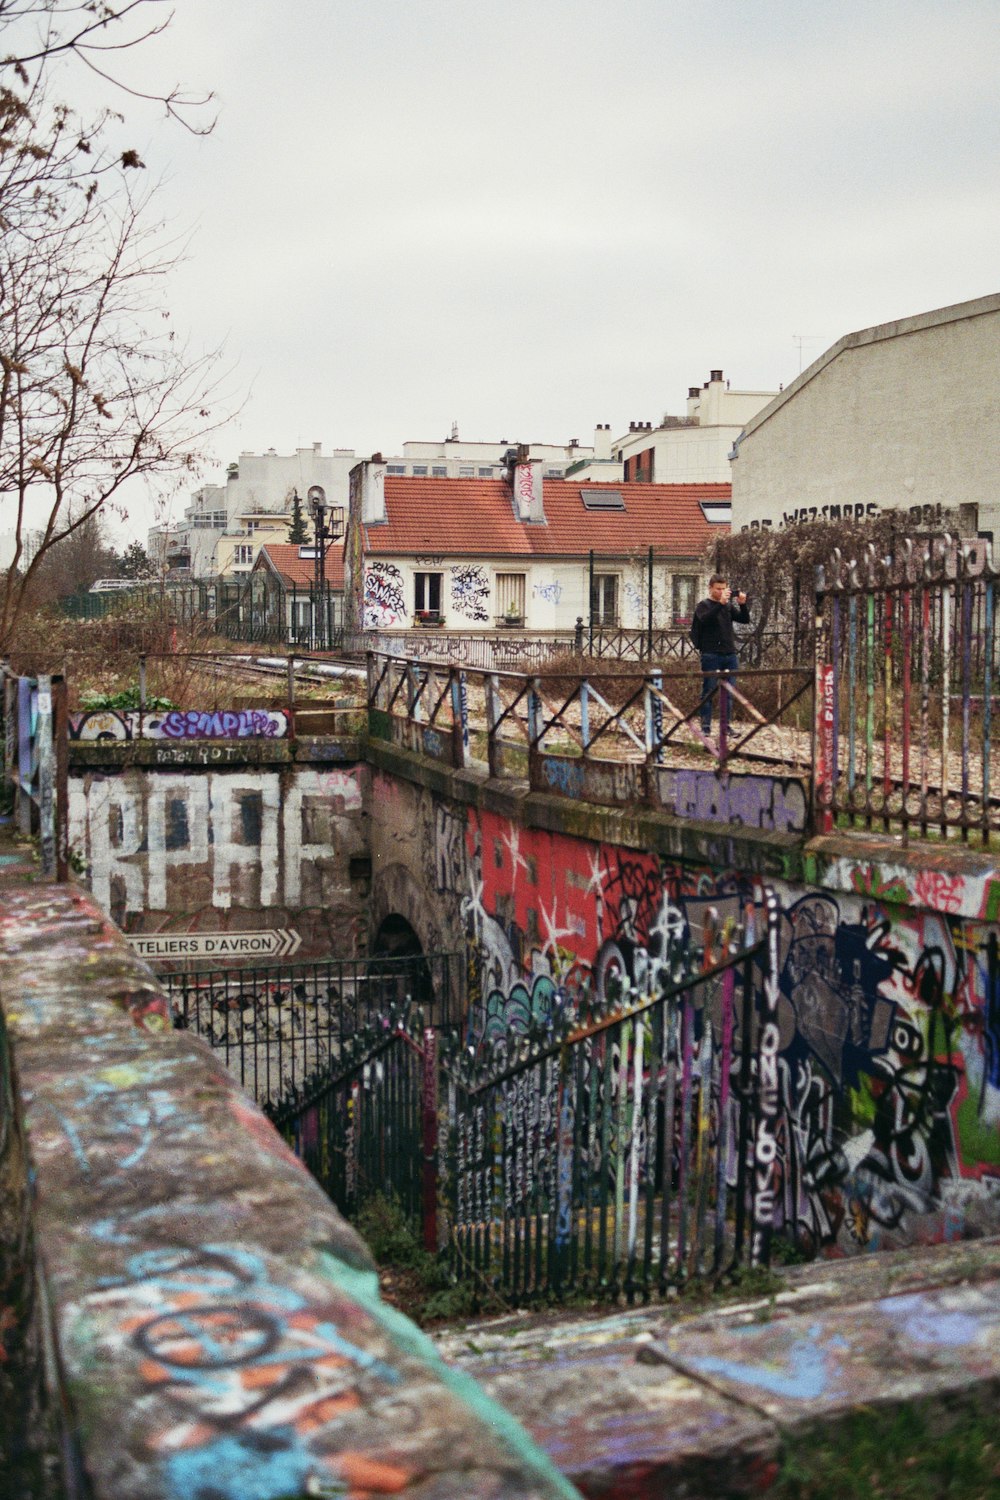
(102, 30)
(95, 389)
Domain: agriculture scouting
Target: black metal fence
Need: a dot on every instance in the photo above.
(261, 608)
(623, 1147)
(276, 1027)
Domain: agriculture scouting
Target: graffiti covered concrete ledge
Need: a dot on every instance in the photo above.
(216, 1326)
(770, 852)
(954, 880)
(655, 1402)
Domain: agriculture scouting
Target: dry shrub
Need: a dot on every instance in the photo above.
(102, 657)
(615, 680)
(782, 613)
(618, 681)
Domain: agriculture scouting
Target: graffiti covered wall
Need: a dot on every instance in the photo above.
(383, 604)
(470, 592)
(889, 1017)
(212, 1329)
(209, 850)
(178, 724)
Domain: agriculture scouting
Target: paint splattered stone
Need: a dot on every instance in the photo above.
(218, 1326)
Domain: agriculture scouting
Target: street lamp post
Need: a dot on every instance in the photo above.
(328, 526)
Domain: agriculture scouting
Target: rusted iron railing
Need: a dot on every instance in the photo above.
(36, 759)
(907, 672)
(600, 738)
(624, 1144)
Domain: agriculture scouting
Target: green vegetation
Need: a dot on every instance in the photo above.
(911, 1453)
(412, 1279)
(127, 698)
(430, 1291)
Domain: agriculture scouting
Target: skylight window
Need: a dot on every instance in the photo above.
(602, 499)
(717, 512)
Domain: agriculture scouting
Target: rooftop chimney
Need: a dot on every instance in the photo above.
(372, 480)
(602, 440)
(524, 476)
(716, 375)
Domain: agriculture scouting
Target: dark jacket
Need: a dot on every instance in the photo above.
(712, 625)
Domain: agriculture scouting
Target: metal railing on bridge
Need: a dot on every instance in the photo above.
(908, 690)
(275, 1027)
(597, 737)
(626, 1146)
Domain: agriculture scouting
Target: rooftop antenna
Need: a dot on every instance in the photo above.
(454, 432)
(805, 338)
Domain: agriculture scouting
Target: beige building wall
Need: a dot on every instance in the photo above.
(903, 415)
(237, 551)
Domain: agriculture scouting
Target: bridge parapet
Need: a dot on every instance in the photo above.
(613, 738)
(185, 1315)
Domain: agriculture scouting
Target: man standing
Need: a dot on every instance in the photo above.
(712, 634)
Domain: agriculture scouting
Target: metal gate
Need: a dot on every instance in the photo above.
(625, 1147)
(279, 1027)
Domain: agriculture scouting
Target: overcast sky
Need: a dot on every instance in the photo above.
(529, 218)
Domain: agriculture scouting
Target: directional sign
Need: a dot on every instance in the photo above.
(277, 942)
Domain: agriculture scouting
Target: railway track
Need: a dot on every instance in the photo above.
(275, 668)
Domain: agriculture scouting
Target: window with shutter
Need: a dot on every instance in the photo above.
(510, 596)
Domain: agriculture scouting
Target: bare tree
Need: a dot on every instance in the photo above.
(95, 388)
(778, 570)
(73, 565)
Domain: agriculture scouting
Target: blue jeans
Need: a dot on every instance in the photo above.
(713, 662)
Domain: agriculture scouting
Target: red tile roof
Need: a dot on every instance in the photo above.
(474, 517)
(300, 572)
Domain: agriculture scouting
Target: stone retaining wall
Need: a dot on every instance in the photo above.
(184, 1316)
(889, 977)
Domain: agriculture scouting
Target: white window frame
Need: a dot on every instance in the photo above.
(604, 584)
(678, 617)
(511, 592)
(424, 590)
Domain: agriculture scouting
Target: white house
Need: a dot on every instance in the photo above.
(454, 458)
(487, 554)
(224, 525)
